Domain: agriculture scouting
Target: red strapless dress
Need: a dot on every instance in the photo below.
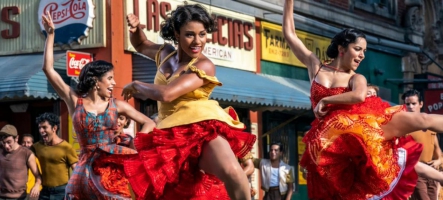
(347, 157)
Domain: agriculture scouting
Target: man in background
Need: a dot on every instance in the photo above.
(277, 177)
(15, 161)
(27, 142)
(56, 156)
(426, 189)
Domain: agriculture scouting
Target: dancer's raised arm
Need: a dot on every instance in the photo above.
(63, 90)
(139, 40)
(298, 48)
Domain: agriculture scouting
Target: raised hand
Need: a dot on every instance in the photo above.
(133, 22)
(48, 23)
(129, 91)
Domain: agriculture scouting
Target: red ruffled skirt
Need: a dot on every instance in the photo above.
(347, 157)
(167, 163)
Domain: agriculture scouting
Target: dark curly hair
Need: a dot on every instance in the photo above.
(184, 14)
(343, 39)
(89, 74)
(410, 93)
(51, 118)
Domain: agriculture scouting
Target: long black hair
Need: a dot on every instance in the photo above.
(343, 39)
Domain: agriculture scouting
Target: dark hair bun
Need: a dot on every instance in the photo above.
(90, 73)
(182, 15)
(343, 39)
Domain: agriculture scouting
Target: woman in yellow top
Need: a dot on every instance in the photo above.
(192, 154)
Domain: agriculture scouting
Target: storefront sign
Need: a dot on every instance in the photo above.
(75, 61)
(72, 136)
(21, 29)
(233, 45)
(72, 18)
(274, 47)
(433, 101)
(435, 85)
(301, 151)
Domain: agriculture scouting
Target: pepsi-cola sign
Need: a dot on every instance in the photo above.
(72, 19)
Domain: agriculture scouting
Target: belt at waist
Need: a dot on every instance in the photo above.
(273, 188)
(55, 187)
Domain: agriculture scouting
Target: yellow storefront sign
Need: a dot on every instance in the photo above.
(301, 151)
(276, 49)
(72, 136)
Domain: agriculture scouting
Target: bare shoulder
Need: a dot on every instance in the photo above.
(358, 77)
(206, 65)
(121, 105)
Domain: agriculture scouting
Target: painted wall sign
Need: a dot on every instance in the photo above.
(274, 47)
(232, 45)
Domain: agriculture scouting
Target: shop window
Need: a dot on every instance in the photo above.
(385, 8)
(148, 107)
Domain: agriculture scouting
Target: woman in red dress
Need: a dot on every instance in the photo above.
(351, 151)
(192, 153)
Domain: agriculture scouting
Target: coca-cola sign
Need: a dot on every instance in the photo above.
(72, 19)
(75, 61)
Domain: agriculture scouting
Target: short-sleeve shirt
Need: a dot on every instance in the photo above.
(14, 172)
(55, 162)
(427, 139)
(289, 176)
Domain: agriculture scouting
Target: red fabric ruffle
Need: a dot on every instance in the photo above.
(347, 157)
(167, 163)
(408, 179)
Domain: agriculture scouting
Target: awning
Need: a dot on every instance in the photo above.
(248, 87)
(22, 76)
(301, 85)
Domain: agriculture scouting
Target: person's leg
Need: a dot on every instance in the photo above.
(44, 194)
(283, 197)
(218, 159)
(403, 123)
(432, 189)
(420, 191)
(58, 193)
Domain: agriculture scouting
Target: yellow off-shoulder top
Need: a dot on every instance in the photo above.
(194, 106)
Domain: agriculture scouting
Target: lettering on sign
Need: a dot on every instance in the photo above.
(6, 15)
(70, 9)
(433, 101)
(72, 19)
(232, 43)
(435, 85)
(75, 61)
(276, 49)
(218, 52)
(237, 31)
